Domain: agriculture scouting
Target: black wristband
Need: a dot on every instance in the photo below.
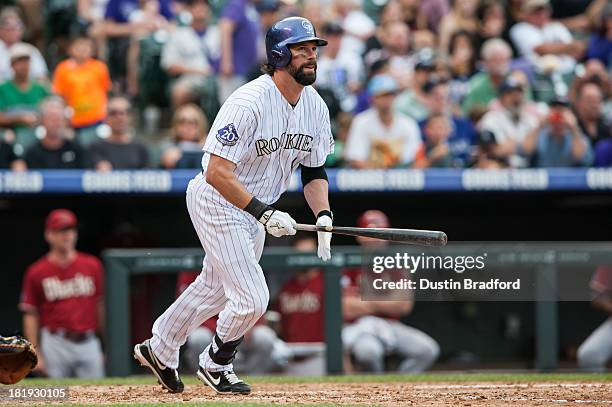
(257, 208)
(325, 212)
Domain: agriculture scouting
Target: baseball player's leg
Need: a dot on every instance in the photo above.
(203, 299)
(418, 349)
(369, 353)
(368, 340)
(244, 285)
(596, 350)
(91, 360)
(57, 354)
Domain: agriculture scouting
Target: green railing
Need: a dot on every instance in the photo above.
(120, 264)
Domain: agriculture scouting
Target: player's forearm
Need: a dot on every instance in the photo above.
(317, 195)
(225, 182)
(353, 307)
(31, 327)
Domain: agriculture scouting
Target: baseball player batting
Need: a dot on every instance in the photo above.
(263, 132)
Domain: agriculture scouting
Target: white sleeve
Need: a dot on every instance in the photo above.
(170, 52)
(489, 122)
(412, 139)
(562, 34)
(323, 142)
(231, 134)
(525, 38)
(357, 144)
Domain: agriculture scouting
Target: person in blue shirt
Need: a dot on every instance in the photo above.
(600, 42)
(119, 11)
(558, 141)
(462, 133)
(239, 28)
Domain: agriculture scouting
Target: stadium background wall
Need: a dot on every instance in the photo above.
(463, 329)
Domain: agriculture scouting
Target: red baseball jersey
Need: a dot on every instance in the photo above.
(300, 304)
(64, 297)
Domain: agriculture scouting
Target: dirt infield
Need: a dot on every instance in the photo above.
(366, 394)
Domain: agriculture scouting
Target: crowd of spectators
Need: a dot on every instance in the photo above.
(120, 84)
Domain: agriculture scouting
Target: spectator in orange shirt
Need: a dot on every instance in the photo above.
(84, 83)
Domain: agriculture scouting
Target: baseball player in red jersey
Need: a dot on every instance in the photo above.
(373, 329)
(300, 302)
(62, 303)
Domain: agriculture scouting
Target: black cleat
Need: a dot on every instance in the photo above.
(225, 382)
(168, 378)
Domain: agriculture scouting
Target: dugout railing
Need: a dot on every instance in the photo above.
(121, 264)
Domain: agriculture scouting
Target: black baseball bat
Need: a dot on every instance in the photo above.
(408, 236)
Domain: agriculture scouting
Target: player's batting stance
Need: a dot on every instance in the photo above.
(263, 132)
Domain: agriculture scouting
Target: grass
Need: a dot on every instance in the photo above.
(386, 378)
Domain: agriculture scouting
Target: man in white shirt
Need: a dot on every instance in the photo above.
(510, 123)
(188, 52)
(11, 32)
(357, 25)
(537, 37)
(380, 137)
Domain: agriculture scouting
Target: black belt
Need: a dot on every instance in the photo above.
(73, 336)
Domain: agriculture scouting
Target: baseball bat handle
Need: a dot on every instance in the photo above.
(408, 236)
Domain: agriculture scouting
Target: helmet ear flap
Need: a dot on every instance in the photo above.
(281, 58)
(277, 55)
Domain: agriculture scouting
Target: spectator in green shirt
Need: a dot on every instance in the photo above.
(21, 96)
(482, 87)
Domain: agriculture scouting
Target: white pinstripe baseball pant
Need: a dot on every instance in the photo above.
(231, 283)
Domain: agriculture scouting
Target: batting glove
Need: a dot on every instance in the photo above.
(278, 223)
(324, 251)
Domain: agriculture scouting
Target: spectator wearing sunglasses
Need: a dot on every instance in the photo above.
(119, 150)
(189, 128)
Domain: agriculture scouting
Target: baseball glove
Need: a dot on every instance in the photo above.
(17, 359)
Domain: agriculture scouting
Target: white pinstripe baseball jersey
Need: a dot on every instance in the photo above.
(267, 138)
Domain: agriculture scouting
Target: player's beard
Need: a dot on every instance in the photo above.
(302, 77)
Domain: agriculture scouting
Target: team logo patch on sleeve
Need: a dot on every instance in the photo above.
(227, 135)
